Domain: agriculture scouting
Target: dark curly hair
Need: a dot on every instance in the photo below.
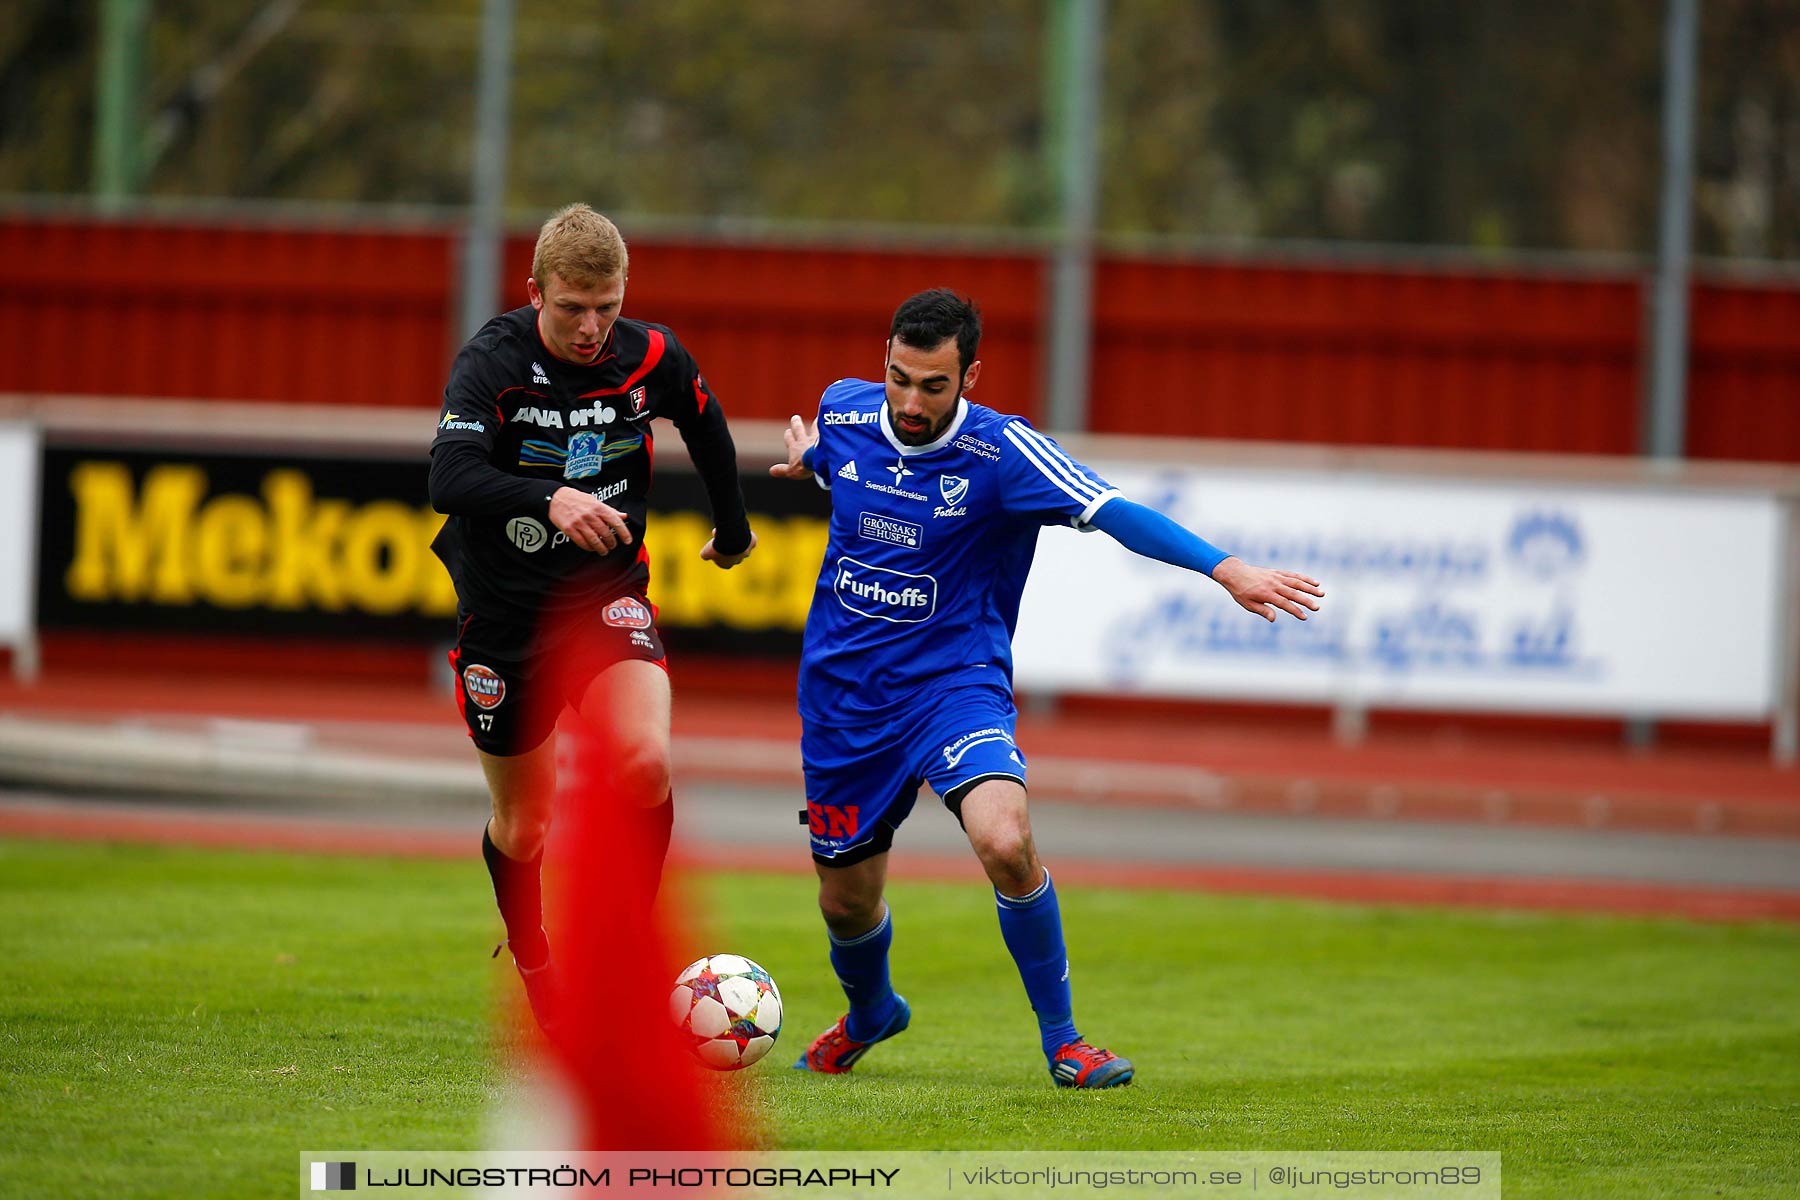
(924, 322)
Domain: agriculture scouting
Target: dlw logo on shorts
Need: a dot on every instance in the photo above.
(484, 685)
(883, 594)
(626, 613)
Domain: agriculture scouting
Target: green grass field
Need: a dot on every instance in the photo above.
(183, 1023)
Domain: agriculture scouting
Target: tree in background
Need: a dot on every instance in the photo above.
(1501, 124)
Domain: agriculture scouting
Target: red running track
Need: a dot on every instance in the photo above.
(118, 823)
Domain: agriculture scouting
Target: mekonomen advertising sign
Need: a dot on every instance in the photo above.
(209, 541)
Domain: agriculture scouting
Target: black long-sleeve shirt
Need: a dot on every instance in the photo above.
(519, 423)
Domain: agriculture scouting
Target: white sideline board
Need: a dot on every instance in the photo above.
(1527, 596)
(19, 461)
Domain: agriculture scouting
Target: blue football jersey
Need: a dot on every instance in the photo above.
(929, 549)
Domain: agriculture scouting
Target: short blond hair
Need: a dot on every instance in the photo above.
(580, 245)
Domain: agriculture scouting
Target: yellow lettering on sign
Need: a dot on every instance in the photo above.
(673, 542)
(306, 534)
(229, 543)
(437, 592)
(169, 543)
(129, 547)
(381, 557)
(769, 591)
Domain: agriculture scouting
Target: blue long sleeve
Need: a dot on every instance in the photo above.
(1147, 532)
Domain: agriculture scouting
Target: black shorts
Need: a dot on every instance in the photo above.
(513, 680)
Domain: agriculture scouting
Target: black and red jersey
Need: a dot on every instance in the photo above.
(518, 423)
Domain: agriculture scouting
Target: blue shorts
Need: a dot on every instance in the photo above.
(862, 780)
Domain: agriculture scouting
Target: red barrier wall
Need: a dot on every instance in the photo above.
(1202, 348)
(1744, 373)
(1382, 357)
(224, 312)
(773, 326)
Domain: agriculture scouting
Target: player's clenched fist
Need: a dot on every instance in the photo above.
(725, 562)
(590, 524)
(798, 440)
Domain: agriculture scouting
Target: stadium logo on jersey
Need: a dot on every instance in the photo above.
(626, 613)
(851, 418)
(885, 595)
(878, 528)
(977, 447)
(450, 421)
(485, 687)
(584, 455)
(527, 533)
(640, 400)
(537, 373)
(848, 471)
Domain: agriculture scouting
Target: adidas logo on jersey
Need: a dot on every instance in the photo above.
(848, 471)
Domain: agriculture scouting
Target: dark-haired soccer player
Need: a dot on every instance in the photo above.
(906, 675)
(542, 460)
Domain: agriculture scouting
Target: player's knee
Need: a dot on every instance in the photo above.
(1006, 853)
(847, 913)
(642, 774)
(521, 833)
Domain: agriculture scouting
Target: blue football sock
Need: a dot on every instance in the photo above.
(1032, 928)
(861, 964)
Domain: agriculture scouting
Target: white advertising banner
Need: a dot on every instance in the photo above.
(18, 530)
(1506, 596)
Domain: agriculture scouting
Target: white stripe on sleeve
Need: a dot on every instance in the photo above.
(1083, 490)
(1054, 452)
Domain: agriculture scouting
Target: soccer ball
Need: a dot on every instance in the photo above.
(728, 1009)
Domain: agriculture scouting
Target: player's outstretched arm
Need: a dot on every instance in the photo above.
(1261, 590)
(799, 441)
